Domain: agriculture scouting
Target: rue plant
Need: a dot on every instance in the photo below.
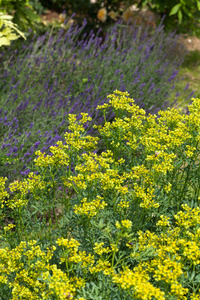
(117, 223)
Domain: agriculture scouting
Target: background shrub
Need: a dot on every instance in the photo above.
(180, 15)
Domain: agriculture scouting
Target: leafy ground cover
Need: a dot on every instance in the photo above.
(121, 224)
(53, 75)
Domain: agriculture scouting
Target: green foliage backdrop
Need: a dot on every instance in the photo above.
(23, 13)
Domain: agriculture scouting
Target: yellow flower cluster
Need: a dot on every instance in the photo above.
(72, 254)
(164, 221)
(102, 266)
(76, 139)
(90, 209)
(124, 224)
(138, 283)
(58, 157)
(172, 251)
(190, 217)
(32, 273)
(99, 249)
(21, 189)
(3, 195)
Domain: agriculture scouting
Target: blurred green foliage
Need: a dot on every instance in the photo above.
(23, 13)
(37, 6)
(183, 15)
(8, 30)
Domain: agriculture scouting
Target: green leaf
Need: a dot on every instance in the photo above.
(197, 278)
(187, 12)
(175, 9)
(28, 14)
(5, 17)
(7, 34)
(84, 80)
(12, 36)
(4, 41)
(180, 16)
(144, 2)
(198, 5)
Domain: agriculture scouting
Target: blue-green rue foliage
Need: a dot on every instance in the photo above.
(70, 72)
(123, 224)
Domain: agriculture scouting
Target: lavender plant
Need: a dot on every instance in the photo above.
(52, 76)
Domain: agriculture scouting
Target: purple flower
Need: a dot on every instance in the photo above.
(37, 144)
(173, 75)
(151, 88)
(26, 154)
(28, 160)
(142, 85)
(186, 87)
(29, 134)
(26, 172)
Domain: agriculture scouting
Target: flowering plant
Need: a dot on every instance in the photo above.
(120, 223)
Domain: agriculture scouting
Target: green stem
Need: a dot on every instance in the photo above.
(185, 183)
(50, 227)
(23, 227)
(114, 252)
(115, 202)
(54, 199)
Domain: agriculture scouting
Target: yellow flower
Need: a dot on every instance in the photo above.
(138, 281)
(195, 296)
(99, 249)
(10, 226)
(164, 221)
(102, 14)
(190, 150)
(90, 209)
(127, 224)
